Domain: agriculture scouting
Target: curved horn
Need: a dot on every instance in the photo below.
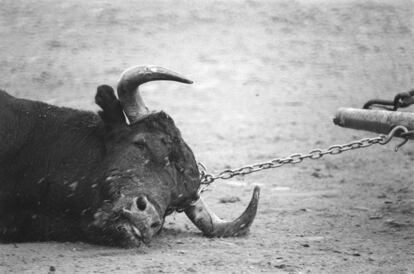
(213, 226)
(128, 92)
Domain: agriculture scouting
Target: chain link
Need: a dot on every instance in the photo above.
(401, 100)
(207, 178)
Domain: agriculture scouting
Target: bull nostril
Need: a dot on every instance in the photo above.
(155, 225)
(141, 203)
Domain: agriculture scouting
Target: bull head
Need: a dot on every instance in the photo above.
(150, 169)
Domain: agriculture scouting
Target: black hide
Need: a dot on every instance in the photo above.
(61, 169)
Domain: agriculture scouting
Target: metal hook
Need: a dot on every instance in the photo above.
(393, 133)
(397, 147)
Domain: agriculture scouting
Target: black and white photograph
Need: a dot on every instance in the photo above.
(214, 136)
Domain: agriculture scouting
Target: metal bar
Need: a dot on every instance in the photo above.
(379, 121)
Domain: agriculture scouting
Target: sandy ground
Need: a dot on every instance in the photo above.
(269, 76)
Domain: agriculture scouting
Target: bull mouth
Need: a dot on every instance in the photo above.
(130, 236)
(135, 232)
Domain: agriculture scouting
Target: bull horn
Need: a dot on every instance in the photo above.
(128, 92)
(213, 226)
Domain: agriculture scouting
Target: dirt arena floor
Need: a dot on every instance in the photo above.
(269, 76)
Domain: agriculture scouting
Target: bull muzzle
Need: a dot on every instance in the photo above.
(144, 219)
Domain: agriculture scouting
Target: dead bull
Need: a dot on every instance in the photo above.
(72, 175)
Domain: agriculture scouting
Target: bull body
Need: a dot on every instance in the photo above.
(72, 175)
(53, 171)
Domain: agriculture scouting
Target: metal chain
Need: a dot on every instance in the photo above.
(207, 178)
(401, 100)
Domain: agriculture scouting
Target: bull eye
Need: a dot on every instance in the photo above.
(166, 140)
(141, 203)
(139, 144)
(155, 225)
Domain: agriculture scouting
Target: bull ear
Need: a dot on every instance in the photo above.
(112, 113)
